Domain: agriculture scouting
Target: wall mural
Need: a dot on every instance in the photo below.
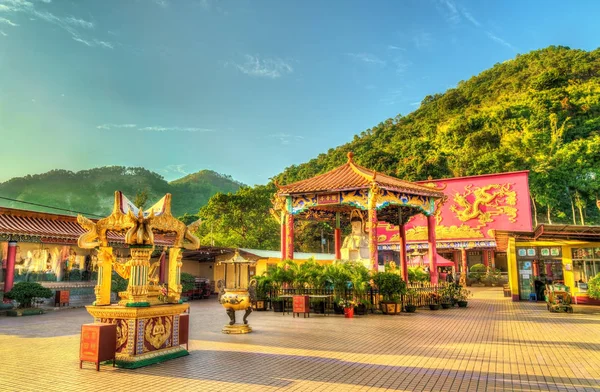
(476, 206)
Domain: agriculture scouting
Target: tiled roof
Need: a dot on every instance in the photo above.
(64, 227)
(352, 176)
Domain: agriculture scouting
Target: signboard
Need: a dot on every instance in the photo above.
(89, 344)
(328, 198)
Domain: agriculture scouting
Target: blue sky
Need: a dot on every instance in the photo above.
(245, 88)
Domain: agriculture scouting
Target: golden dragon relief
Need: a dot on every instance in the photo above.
(498, 200)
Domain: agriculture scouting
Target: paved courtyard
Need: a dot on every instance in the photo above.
(493, 345)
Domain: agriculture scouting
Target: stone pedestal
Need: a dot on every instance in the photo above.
(145, 335)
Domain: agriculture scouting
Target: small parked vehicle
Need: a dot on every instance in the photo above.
(558, 298)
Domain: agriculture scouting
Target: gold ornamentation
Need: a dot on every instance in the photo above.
(303, 202)
(156, 333)
(419, 233)
(357, 198)
(498, 199)
(123, 312)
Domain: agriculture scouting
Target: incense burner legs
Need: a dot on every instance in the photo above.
(232, 300)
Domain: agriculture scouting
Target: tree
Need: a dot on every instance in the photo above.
(141, 198)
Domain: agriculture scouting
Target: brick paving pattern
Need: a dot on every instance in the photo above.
(493, 345)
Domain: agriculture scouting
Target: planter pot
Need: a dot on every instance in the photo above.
(390, 307)
(446, 305)
(319, 307)
(348, 312)
(410, 308)
(24, 312)
(462, 304)
(360, 310)
(434, 306)
(337, 309)
(260, 305)
(277, 306)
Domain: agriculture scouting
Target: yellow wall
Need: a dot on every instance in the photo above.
(513, 270)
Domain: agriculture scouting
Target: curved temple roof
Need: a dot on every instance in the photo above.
(352, 176)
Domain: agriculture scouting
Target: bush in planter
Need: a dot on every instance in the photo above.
(391, 287)
(25, 292)
(594, 287)
(280, 275)
(411, 296)
(477, 272)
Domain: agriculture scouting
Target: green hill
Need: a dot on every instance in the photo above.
(539, 111)
(92, 191)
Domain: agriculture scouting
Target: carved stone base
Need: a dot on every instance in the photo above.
(145, 335)
(236, 329)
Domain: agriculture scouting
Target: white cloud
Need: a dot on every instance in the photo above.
(71, 24)
(174, 129)
(175, 169)
(286, 138)
(415, 104)
(470, 18)
(111, 126)
(8, 22)
(394, 47)
(162, 3)
(500, 41)
(272, 68)
(367, 58)
(422, 39)
(3, 33)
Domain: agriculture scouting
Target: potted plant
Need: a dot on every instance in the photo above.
(263, 287)
(316, 279)
(25, 293)
(434, 301)
(280, 275)
(348, 306)
(337, 275)
(359, 276)
(463, 298)
(411, 296)
(391, 287)
(449, 295)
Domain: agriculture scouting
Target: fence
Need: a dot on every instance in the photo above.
(422, 297)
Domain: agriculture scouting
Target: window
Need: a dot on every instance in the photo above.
(586, 263)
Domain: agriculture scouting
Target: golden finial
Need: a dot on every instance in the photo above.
(350, 156)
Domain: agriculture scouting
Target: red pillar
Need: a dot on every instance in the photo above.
(536, 268)
(493, 259)
(373, 253)
(289, 254)
(338, 244)
(282, 239)
(433, 273)
(10, 266)
(463, 272)
(456, 256)
(486, 260)
(403, 261)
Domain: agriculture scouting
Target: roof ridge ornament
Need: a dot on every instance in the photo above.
(358, 171)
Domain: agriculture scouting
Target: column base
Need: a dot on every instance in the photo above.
(236, 329)
(128, 362)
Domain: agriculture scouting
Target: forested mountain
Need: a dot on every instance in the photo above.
(539, 111)
(92, 191)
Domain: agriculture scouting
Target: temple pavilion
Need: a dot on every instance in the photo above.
(351, 190)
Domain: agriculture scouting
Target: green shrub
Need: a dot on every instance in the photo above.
(188, 282)
(477, 272)
(594, 287)
(390, 285)
(75, 275)
(25, 292)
